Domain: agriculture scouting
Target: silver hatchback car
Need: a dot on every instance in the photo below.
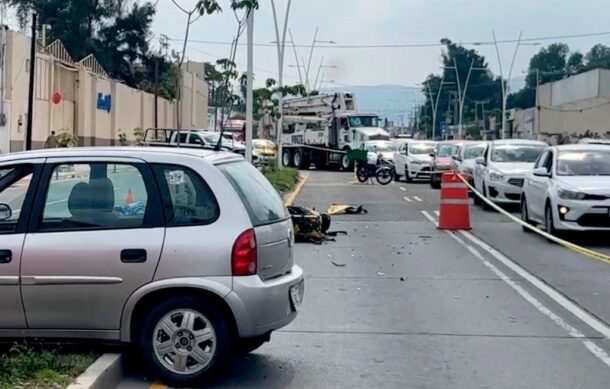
(186, 253)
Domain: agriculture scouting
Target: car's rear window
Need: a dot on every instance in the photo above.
(262, 201)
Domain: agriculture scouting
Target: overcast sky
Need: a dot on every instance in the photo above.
(362, 22)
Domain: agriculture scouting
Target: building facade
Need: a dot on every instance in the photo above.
(78, 97)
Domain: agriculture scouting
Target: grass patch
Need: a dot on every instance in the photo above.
(284, 179)
(31, 367)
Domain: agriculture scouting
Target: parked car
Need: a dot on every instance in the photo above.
(500, 173)
(593, 141)
(412, 160)
(385, 148)
(263, 151)
(465, 157)
(185, 252)
(442, 161)
(569, 189)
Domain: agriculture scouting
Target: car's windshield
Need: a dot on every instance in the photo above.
(363, 121)
(583, 163)
(516, 153)
(421, 148)
(213, 139)
(446, 150)
(473, 151)
(379, 147)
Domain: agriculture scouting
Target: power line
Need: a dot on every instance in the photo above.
(413, 45)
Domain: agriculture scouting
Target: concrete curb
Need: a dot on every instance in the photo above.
(290, 197)
(105, 373)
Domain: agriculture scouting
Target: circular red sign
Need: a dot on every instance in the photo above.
(57, 97)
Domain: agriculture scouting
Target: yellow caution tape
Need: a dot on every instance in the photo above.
(574, 247)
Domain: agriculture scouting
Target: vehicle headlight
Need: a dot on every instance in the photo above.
(567, 194)
(495, 176)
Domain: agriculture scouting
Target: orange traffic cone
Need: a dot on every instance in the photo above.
(455, 204)
(129, 199)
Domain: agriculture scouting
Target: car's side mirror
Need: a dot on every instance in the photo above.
(456, 157)
(5, 212)
(541, 172)
(433, 155)
(480, 161)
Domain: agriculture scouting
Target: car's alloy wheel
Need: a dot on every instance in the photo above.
(184, 340)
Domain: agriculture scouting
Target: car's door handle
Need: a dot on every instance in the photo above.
(6, 256)
(133, 256)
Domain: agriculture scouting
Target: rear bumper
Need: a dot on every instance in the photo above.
(262, 306)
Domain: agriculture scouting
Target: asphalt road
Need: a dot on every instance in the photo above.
(398, 303)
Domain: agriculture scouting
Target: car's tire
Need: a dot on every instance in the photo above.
(549, 224)
(435, 184)
(180, 360)
(286, 158)
(247, 345)
(396, 177)
(525, 216)
(477, 199)
(407, 177)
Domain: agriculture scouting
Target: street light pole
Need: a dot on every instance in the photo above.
(281, 46)
(249, 90)
(434, 104)
(505, 84)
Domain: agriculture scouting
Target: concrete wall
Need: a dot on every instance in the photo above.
(78, 112)
(589, 116)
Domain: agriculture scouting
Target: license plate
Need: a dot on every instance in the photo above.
(296, 295)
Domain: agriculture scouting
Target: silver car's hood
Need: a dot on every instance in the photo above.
(587, 184)
(421, 157)
(511, 168)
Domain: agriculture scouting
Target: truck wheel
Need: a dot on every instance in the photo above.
(286, 158)
(185, 340)
(298, 159)
(346, 163)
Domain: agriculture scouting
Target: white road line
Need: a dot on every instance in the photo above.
(403, 188)
(429, 217)
(437, 213)
(408, 200)
(598, 352)
(418, 199)
(556, 296)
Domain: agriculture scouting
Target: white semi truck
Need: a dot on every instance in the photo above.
(321, 129)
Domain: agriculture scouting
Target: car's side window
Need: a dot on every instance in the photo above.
(187, 197)
(14, 185)
(541, 162)
(549, 162)
(95, 196)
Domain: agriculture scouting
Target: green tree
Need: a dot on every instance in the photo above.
(576, 63)
(549, 64)
(115, 31)
(598, 57)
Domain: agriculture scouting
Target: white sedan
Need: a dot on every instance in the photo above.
(569, 189)
(413, 160)
(499, 174)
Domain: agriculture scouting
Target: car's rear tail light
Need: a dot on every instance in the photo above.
(244, 258)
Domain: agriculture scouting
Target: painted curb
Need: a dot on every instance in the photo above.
(105, 373)
(290, 197)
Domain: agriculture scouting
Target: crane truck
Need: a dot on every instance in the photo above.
(321, 129)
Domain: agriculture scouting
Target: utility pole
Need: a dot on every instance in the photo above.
(505, 84)
(434, 104)
(249, 90)
(281, 46)
(28, 131)
(162, 45)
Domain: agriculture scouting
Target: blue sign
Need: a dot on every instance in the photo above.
(443, 128)
(104, 102)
